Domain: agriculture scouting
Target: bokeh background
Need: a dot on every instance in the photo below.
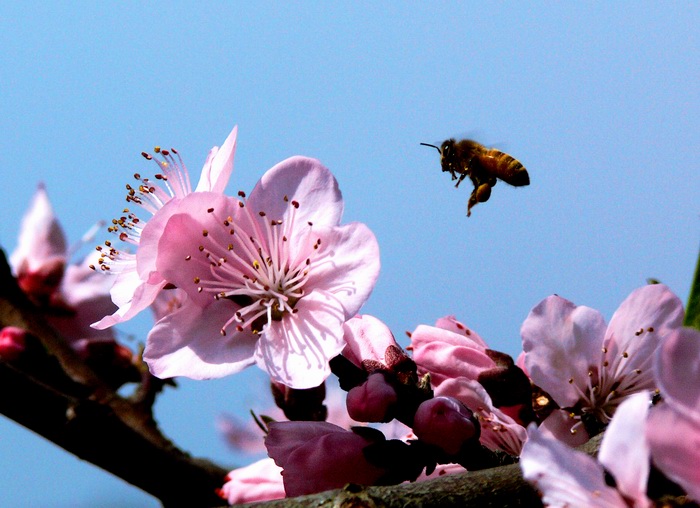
(599, 101)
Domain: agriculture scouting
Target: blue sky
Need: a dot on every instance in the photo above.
(601, 105)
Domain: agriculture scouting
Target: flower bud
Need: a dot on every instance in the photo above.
(318, 456)
(446, 423)
(372, 401)
(12, 343)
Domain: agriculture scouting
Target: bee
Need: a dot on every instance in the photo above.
(484, 167)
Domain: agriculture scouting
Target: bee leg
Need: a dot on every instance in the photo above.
(471, 203)
(461, 178)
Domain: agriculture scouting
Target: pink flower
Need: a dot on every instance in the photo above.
(270, 280)
(71, 295)
(589, 368)
(138, 282)
(569, 478)
(318, 456)
(41, 255)
(260, 481)
(673, 430)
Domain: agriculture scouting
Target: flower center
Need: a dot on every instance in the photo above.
(259, 268)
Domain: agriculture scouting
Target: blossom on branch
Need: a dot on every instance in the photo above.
(589, 368)
(270, 279)
(71, 295)
(138, 283)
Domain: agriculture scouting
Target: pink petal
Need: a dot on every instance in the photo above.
(677, 370)
(260, 481)
(86, 293)
(305, 181)
(218, 166)
(566, 477)
(674, 440)
(351, 268)
(624, 450)
(178, 258)
(189, 343)
(561, 342)
(450, 323)
(131, 295)
(295, 350)
(639, 324)
(366, 338)
(41, 238)
(448, 355)
(559, 425)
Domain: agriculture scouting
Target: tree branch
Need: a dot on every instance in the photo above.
(52, 392)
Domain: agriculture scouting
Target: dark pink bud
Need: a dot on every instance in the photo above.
(446, 423)
(12, 342)
(318, 456)
(372, 401)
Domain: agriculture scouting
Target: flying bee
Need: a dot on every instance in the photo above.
(484, 167)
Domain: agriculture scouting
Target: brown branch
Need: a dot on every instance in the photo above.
(51, 391)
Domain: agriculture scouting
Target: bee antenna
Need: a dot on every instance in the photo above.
(436, 148)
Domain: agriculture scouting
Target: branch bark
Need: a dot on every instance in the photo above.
(53, 393)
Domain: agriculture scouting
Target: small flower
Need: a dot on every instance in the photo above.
(588, 368)
(71, 295)
(260, 481)
(270, 280)
(41, 255)
(572, 479)
(137, 282)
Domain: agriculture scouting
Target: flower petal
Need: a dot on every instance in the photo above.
(366, 338)
(448, 355)
(41, 238)
(260, 481)
(566, 477)
(561, 342)
(305, 181)
(131, 295)
(218, 166)
(674, 440)
(188, 343)
(624, 450)
(639, 324)
(677, 371)
(349, 267)
(295, 350)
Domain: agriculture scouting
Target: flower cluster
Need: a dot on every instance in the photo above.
(274, 279)
(268, 279)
